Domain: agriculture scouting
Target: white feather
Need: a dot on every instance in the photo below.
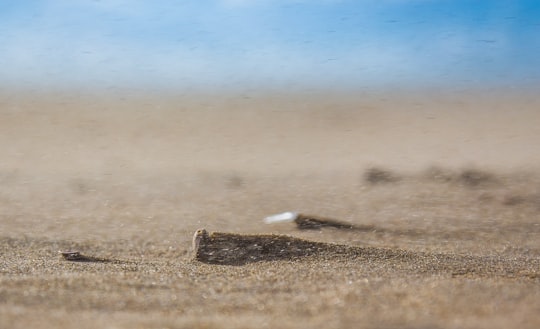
(288, 216)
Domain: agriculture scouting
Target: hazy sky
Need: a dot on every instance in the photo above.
(257, 43)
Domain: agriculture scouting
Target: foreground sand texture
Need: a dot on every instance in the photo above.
(445, 187)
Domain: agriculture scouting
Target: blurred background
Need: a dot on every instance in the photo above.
(251, 45)
(210, 113)
(258, 85)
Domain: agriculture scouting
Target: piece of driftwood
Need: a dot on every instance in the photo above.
(76, 256)
(239, 249)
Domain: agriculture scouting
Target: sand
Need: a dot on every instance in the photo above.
(449, 182)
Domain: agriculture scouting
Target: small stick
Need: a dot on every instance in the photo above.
(306, 222)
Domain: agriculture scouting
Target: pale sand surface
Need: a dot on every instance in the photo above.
(128, 179)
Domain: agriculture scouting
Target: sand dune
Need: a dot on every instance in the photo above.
(444, 186)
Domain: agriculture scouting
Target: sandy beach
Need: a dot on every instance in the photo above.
(448, 183)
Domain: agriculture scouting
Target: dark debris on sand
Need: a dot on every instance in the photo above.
(240, 249)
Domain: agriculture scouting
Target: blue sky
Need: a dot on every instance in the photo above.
(264, 43)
